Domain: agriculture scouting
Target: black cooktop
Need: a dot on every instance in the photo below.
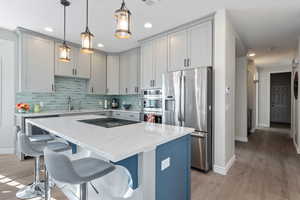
(108, 122)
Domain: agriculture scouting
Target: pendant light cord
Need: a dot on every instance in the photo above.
(64, 24)
(87, 13)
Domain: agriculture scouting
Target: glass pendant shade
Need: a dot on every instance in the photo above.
(87, 42)
(64, 50)
(64, 53)
(123, 16)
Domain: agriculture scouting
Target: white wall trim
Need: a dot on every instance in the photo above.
(224, 170)
(7, 150)
(241, 139)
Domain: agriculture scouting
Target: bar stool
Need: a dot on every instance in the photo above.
(80, 171)
(33, 146)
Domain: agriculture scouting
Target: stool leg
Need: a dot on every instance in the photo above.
(47, 186)
(35, 189)
(37, 170)
(83, 191)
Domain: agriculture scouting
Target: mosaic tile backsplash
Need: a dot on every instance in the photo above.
(77, 90)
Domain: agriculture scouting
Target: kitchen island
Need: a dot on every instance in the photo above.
(157, 156)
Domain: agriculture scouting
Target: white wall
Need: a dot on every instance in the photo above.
(224, 103)
(7, 90)
(241, 133)
(264, 92)
(251, 91)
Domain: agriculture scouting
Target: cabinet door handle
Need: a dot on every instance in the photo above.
(53, 89)
(92, 89)
(188, 62)
(184, 62)
(76, 72)
(73, 73)
(153, 83)
(126, 90)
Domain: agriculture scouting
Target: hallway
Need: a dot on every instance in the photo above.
(267, 168)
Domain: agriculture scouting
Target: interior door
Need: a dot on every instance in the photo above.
(194, 94)
(280, 98)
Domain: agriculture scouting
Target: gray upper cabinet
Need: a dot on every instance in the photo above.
(97, 84)
(200, 45)
(154, 62)
(79, 66)
(191, 47)
(36, 64)
(83, 66)
(129, 71)
(177, 50)
(65, 68)
(160, 60)
(147, 69)
(113, 74)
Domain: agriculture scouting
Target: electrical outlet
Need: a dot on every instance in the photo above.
(165, 163)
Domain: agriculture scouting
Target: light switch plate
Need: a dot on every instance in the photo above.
(165, 163)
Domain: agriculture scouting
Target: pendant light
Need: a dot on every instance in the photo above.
(123, 16)
(87, 36)
(64, 50)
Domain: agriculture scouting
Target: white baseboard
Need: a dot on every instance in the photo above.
(224, 170)
(264, 125)
(241, 139)
(7, 150)
(296, 147)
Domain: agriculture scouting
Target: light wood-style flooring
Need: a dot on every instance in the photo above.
(267, 168)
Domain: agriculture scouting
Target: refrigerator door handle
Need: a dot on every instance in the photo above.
(179, 103)
(182, 99)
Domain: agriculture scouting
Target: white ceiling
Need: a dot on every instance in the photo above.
(260, 23)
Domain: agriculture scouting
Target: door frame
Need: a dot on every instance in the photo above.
(269, 93)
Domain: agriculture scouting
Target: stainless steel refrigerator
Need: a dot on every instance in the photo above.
(187, 101)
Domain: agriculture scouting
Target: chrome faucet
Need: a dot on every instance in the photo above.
(69, 102)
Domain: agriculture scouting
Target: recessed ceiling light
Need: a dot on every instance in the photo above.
(48, 29)
(100, 45)
(148, 25)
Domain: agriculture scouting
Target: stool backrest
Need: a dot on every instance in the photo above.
(25, 146)
(60, 167)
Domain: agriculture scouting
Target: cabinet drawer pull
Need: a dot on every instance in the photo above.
(184, 62)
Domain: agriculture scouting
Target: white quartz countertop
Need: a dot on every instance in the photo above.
(114, 144)
(72, 112)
